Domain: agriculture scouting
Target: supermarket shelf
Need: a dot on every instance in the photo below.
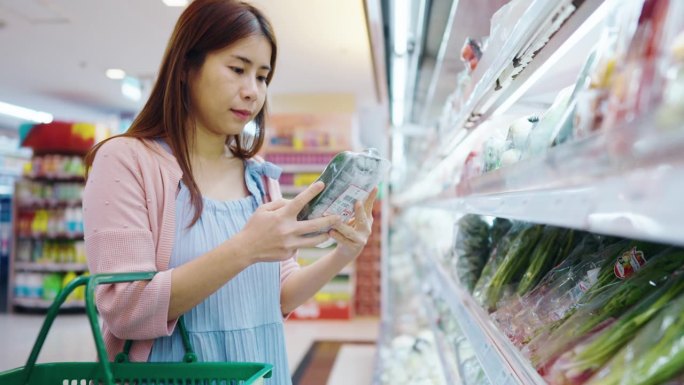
(55, 179)
(46, 237)
(446, 353)
(21, 153)
(582, 185)
(41, 304)
(307, 150)
(500, 360)
(485, 100)
(48, 203)
(303, 168)
(50, 267)
(292, 190)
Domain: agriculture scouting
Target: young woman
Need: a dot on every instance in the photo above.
(181, 193)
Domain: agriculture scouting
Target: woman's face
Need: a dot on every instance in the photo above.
(230, 88)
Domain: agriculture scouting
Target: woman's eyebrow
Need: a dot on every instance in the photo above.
(247, 61)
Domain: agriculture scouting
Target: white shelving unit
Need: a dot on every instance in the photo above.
(603, 183)
(501, 361)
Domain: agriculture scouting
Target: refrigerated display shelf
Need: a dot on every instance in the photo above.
(50, 267)
(48, 204)
(292, 190)
(582, 185)
(486, 99)
(302, 168)
(42, 304)
(501, 361)
(445, 350)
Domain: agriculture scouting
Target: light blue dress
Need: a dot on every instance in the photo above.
(242, 320)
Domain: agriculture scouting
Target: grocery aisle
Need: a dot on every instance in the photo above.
(71, 339)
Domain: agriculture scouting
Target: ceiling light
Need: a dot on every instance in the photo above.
(400, 27)
(115, 73)
(25, 113)
(176, 3)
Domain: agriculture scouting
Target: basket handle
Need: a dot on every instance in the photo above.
(189, 356)
(90, 282)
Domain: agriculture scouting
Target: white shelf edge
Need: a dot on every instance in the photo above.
(303, 168)
(50, 267)
(292, 190)
(500, 360)
(578, 185)
(39, 303)
(444, 349)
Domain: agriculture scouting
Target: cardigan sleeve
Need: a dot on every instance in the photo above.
(119, 238)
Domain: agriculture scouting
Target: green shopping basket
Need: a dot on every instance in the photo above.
(121, 371)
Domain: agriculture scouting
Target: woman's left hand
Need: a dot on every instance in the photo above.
(352, 237)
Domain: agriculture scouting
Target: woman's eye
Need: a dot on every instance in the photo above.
(238, 70)
(262, 79)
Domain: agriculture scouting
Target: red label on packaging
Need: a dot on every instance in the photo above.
(629, 263)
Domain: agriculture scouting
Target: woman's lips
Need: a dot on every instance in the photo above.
(241, 114)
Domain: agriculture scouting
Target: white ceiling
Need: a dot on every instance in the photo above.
(54, 53)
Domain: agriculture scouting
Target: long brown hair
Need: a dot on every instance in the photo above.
(205, 26)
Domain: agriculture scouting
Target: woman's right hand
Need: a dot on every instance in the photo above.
(273, 232)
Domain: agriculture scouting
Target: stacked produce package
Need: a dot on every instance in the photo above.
(583, 308)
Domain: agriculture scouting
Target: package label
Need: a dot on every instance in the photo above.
(344, 204)
(629, 263)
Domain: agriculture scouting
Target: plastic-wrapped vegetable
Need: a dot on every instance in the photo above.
(498, 252)
(575, 366)
(522, 318)
(554, 245)
(472, 249)
(603, 308)
(512, 266)
(348, 177)
(655, 356)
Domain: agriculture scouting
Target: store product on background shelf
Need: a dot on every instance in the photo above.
(655, 355)
(451, 112)
(412, 359)
(640, 82)
(577, 365)
(471, 249)
(56, 166)
(516, 140)
(348, 177)
(671, 111)
(30, 193)
(600, 307)
(493, 148)
(60, 137)
(471, 52)
(550, 124)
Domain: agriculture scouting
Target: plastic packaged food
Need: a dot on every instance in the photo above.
(350, 176)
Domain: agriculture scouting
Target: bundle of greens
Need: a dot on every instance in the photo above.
(471, 249)
(496, 256)
(603, 307)
(555, 244)
(655, 356)
(512, 266)
(577, 365)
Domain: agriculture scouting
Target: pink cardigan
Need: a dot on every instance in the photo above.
(129, 218)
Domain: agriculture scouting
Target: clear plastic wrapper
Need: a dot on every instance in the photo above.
(348, 177)
(472, 249)
(655, 356)
(496, 256)
(512, 266)
(577, 365)
(601, 306)
(522, 318)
